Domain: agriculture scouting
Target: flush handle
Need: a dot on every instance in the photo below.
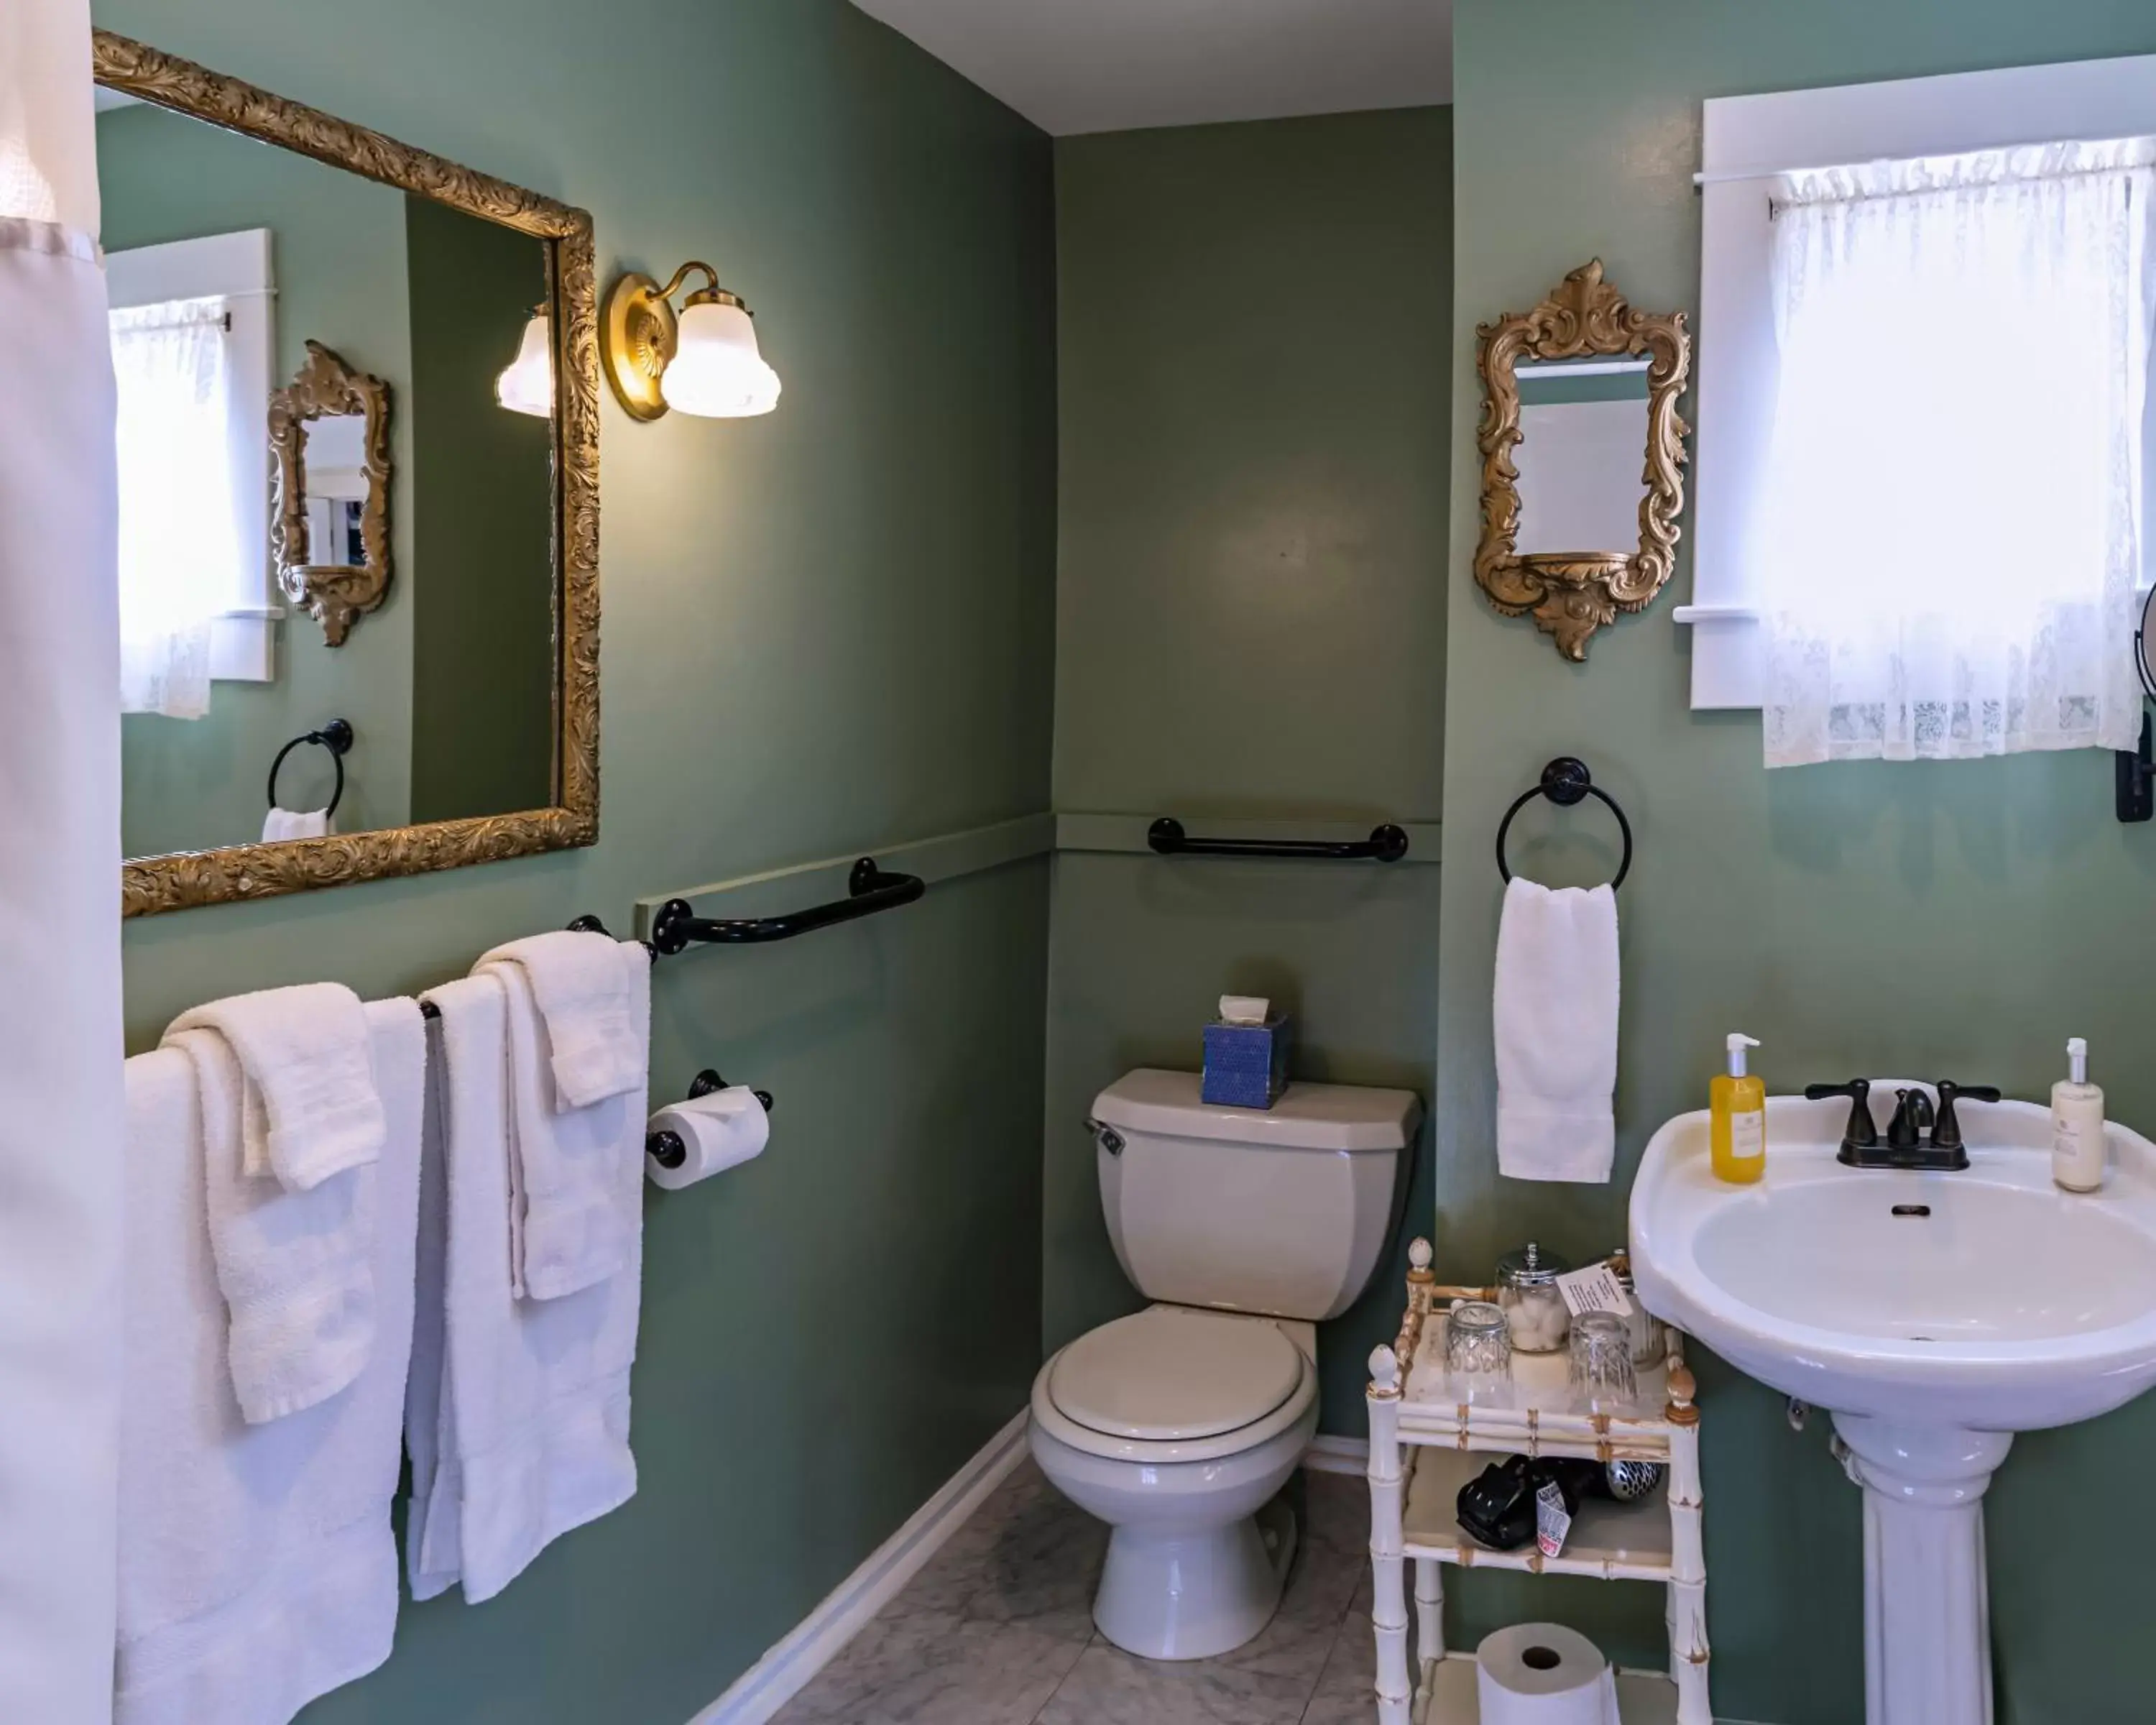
(1106, 1136)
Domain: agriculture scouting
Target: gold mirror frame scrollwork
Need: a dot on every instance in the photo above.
(1571, 594)
(334, 595)
(247, 871)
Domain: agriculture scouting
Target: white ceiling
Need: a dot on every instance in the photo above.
(1112, 65)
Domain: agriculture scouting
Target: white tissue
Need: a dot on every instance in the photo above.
(1544, 1674)
(720, 1130)
(1244, 1009)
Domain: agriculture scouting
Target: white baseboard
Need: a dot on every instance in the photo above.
(785, 1670)
(1337, 1454)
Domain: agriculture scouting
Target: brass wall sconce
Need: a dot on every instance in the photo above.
(703, 360)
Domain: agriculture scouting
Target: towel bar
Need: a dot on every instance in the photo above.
(868, 888)
(582, 925)
(1386, 844)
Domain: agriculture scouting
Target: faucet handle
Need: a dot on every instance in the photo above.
(1861, 1133)
(1946, 1135)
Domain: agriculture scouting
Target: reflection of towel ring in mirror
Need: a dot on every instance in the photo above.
(335, 737)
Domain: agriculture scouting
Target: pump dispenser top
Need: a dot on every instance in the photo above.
(1739, 1042)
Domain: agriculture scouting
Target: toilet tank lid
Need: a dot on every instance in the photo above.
(1307, 1117)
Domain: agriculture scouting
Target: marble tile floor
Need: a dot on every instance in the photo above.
(998, 1630)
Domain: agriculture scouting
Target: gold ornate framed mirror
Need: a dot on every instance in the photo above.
(240, 221)
(331, 542)
(1574, 530)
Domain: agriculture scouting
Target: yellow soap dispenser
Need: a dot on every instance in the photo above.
(1736, 1103)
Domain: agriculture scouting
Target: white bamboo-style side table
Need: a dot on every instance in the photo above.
(1424, 1446)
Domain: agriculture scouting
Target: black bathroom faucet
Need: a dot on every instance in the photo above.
(1917, 1137)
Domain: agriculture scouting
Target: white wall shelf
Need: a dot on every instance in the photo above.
(1426, 1443)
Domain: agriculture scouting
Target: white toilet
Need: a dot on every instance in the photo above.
(1178, 1426)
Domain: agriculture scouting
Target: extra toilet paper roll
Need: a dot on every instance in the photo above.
(1544, 1674)
(720, 1130)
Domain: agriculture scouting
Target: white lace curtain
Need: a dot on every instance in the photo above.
(178, 542)
(1953, 500)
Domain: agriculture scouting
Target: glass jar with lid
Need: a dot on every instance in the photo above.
(1534, 1304)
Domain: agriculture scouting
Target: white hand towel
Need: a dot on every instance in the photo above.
(567, 1231)
(295, 1269)
(517, 1422)
(1556, 1033)
(281, 823)
(312, 1110)
(257, 1567)
(585, 993)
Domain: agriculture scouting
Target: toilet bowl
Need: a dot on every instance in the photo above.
(1178, 1428)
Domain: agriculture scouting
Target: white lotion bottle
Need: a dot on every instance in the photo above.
(2077, 1143)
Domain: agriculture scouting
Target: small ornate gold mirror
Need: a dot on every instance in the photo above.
(329, 530)
(1574, 530)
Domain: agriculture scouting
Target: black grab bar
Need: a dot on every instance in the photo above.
(1386, 844)
(869, 889)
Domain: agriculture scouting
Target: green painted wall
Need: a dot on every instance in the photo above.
(1251, 618)
(1960, 919)
(825, 630)
(338, 251)
(483, 512)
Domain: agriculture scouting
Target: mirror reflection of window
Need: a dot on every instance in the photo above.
(1583, 433)
(334, 462)
(190, 333)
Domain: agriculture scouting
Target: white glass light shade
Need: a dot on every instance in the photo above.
(527, 385)
(716, 372)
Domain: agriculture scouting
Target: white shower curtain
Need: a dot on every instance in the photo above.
(59, 862)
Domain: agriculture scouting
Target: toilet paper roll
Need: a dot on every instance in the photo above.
(720, 1130)
(1544, 1674)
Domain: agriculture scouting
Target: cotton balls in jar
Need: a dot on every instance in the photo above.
(1533, 1304)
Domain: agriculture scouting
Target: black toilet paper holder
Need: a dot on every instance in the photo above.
(666, 1148)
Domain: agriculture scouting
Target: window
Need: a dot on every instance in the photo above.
(1922, 398)
(192, 333)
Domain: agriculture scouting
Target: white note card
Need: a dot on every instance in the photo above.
(1594, 1289)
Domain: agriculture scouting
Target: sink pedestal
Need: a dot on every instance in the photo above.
(1927, 1607)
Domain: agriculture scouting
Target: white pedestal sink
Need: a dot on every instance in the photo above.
(1935, 1314)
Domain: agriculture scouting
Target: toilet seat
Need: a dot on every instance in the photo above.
(1172, 1383)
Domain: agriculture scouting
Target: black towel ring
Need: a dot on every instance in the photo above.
(1566, 781)
(335, 737)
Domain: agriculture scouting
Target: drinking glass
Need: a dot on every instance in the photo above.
(1478, 1352)
(1602, 1360)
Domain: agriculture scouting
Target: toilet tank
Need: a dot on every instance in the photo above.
(1282, 1211)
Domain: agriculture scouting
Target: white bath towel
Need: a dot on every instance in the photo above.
(257, 1567)
(1556, 1033)
(567, 1228)
(311, 1109)
(281, 823)
(586, 994)
(517, 1420)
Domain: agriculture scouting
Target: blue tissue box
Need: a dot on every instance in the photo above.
(1247, 1064)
